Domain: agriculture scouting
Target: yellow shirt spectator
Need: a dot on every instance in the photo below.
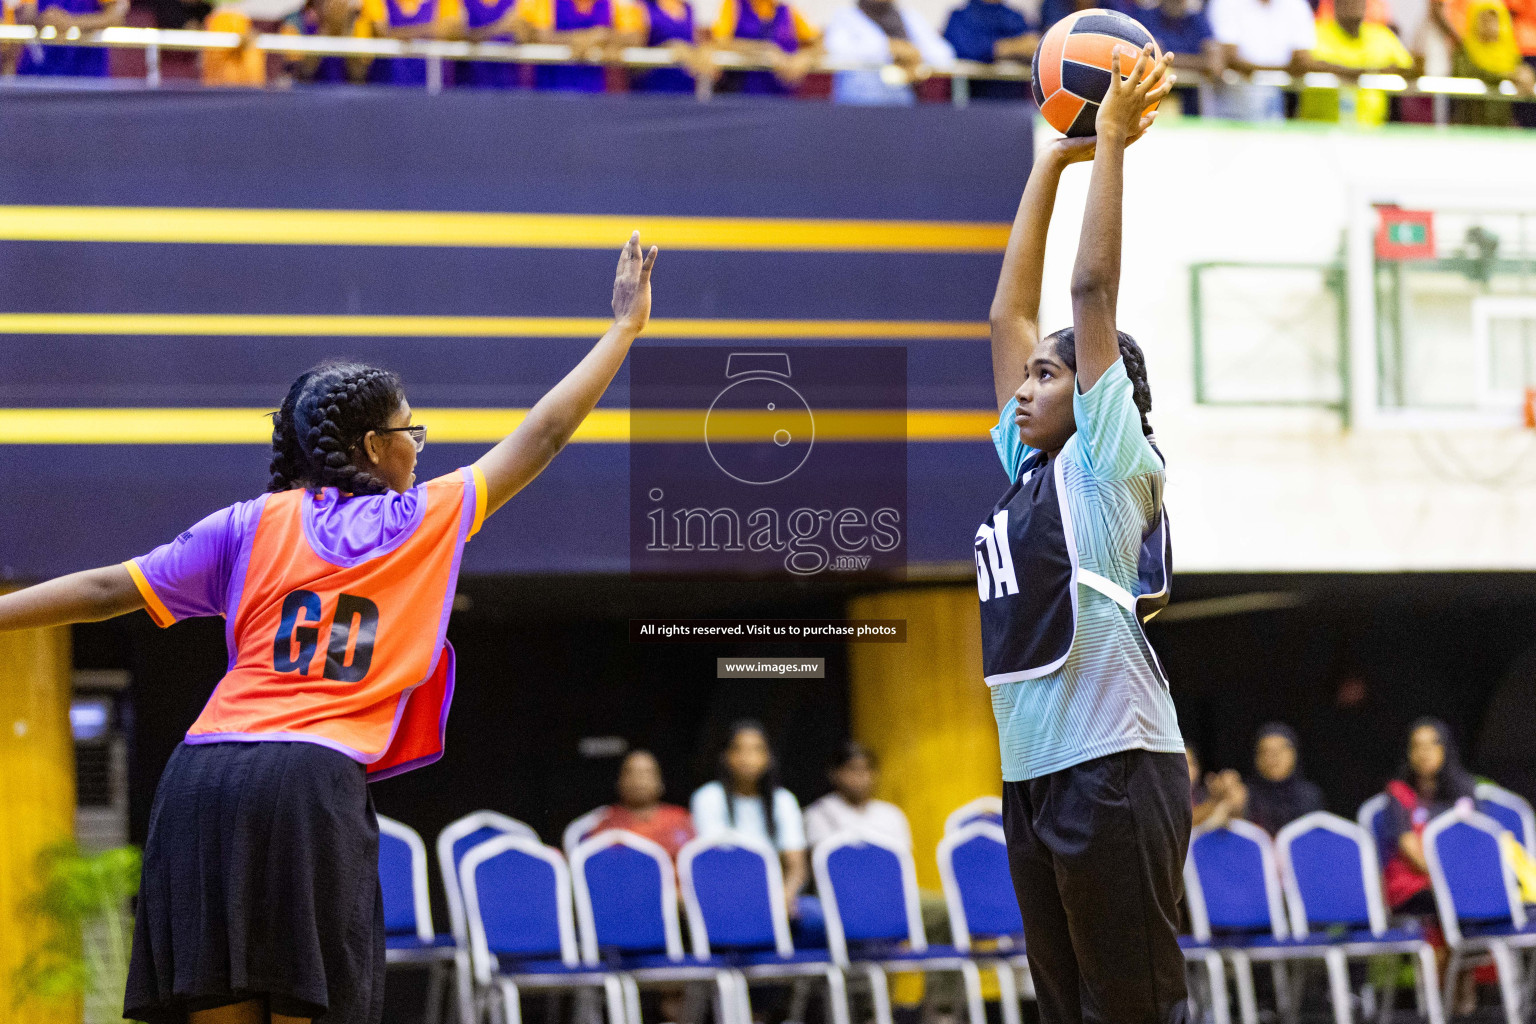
(246, 66)
(1373, 47)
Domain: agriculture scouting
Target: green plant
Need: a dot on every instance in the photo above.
(82, 898)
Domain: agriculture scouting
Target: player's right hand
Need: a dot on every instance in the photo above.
(632, 286)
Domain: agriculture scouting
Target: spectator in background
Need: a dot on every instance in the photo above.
(770, 31)
(1277, 794)
(1487, 50)
(883, 32)
(747, 798)
(640, 809)
(323, 18)
(1260, 35)
(988, 31)
(407, 19)
(491, 21)
(8, 53)
(244, 66)
(1430, 782)
(1052, 11)
(1349, 46)
(1522, 15)
(851, 804)
(85, 15)
(1216, 799)
(594, 29)
(671, 24)
(1185, 32)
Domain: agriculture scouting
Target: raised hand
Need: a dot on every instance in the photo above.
(1127, 101)
(632, 286)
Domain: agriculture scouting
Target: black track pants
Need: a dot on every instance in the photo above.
(1097, 856)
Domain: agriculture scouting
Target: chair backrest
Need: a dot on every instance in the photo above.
(1331, 875)
(1473, 880)
(978, 888)
(1372, 816)
(983, 808)
(868, 889)
(733, 890)
(517, 899)
(1231, 882)
(457, 840)
(403, 880)
(580, 829)
(626, 896)
(1511, 810)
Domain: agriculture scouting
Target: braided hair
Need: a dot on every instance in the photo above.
(322, 420)
(1135, 367)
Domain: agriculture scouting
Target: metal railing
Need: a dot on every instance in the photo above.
(155, 41)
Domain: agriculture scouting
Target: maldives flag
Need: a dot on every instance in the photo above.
(1405, 234)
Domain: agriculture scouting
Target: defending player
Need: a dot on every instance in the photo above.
(1074, 555)
(260, 894)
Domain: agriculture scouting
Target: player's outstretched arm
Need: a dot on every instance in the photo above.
(1015, 316)
(88, 596)
(1096, 275)
(512, 464)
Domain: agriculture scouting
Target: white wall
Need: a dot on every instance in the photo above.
(1292, 489)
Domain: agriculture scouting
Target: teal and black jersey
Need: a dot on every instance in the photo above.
(1059, 564)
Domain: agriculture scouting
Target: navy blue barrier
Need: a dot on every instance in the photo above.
(93, 162)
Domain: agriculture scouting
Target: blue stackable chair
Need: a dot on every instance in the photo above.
(868, 887)
(453, 842)
(1511, 810)
(522, 933)
(626, 906)
(1232, 888)
(983, 808)
(733, 890)
(409, 938)
(1372, 816)
(1478, 901)
(1328, 868)
(978, 892)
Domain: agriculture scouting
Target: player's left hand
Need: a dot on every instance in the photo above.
(1129, 97)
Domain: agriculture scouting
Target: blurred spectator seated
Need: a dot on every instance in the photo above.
(1277, 793)
(1430, 782)
(883, 32)
(671, 24)
(1216, 799)
(323, 18)
(85, 15)
(408, 19)
(1184, 31)
(988, 31)
(747, 798)
(770, 32)
(1052, 11)
(491, 21)
(640, 809)
(851, 805)
(1487, 50)
(1349, 46)
(8, 52)
(1260, 35)
(593, 29)
(246, 66)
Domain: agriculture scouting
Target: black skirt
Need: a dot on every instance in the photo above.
(260, 881)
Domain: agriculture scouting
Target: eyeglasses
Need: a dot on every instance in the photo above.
(417, 433)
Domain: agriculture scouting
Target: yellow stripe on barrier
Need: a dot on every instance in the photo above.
(481, 426)
(327, 326)
(227, 226)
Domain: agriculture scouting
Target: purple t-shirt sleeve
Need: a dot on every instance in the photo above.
(189, 576)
